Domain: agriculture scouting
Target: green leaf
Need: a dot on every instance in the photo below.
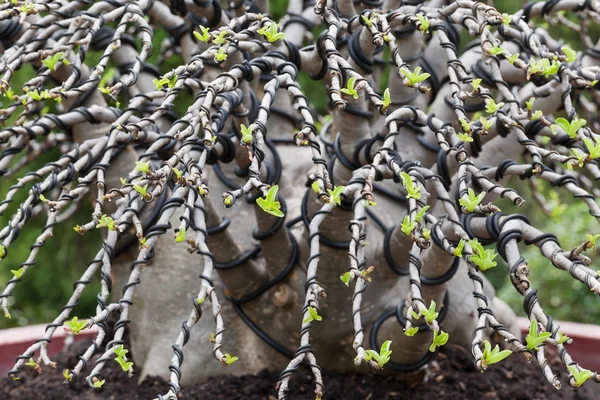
(120, 351)
(18, 273)
(75, 326)
(143, 166)
(268, 204)
(424, 22)
(346, 278)
(178, 173)
(470, 201)
(180, 237)
(412, 190)
(421, 213)
(438, 340)
(383, 356)
(513, 58)
(52, 60)
(31, 363)
(459, 248)
(529, 103)
(593, 148)
(465, 137)
(535, 339)
(99, 383)
(493, 356)
(387, 100)
(562, 338)
(350, 90)
(580, 376)
(495, 50)
(315, 186)
(430, 314)
(592, 239)
(571, 128)
(126, 366)
(219, 37)
(313, 315)
(246, 132)
(570, 53)
(200, 300)
(412, 331)
(204, 36)
(335, 195)
(221, 55)
(142, 190)
(408, 226)
(491, 107)
(415, 77)
(229, 359)
(475, 84)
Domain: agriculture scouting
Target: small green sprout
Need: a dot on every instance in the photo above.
(211, 338)
(120, 351)
(246, 133)
(424, 22)
(535, 339)
(426, 233)
(466, 125)
(271, 32)
(383, 356)
(31, 363)
(75, 325)
(334, 195)
(180, 237)
(178, 173)
(562, 338)
(369, 21)
(106, 222)
(221, 55)
(496, 50)
(10, 94)
(229, 359)
(492, 356)
(205, 36)
(506, 19)
(513, 58)
(143, 167)
(408, 226)
(7, 315)
(438, 340)
(412, 331)
(35, 95)
(471, 201)
(465, 137)
(570, 53)
(415, 77)
(126, 366)
(475, 84)
(51, 61)
(349, 89)
(313, 315)
(483, 258)
(142, 190)
(98, 383)
(412, 190)
(580, 376)
(346, 278)
(421, 213)
(491, 107)
(549, 68)
(581, 157)
(315, 187)
(219, 38)
(18, 273)
(529, 103)
(593, 148)
(387, 100)
(67, 375)
(459, 248)
(269, 204)
(143, 242)
(430, 314)
(200, 300)
(592, 239)
(485, 123)
(571, 128)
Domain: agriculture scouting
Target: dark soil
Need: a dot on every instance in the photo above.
(452, 377)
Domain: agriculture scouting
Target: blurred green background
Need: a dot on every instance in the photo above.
(64, 258)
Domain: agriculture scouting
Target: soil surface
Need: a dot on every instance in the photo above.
(451, 376)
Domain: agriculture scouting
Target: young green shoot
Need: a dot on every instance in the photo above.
(350, 90)
(246, 133)
(383, 356)
(421, 213)
(593, 148)
(459, 248)
(412, 331)
(415, 77)
(535, 338)
(313, 315)
(424, 23)
(571, 128)
(580, 376)
(271, 32)
(18, 273)
(269, 204)
(491, 107)
(438, 340)
(230, 359)
(51, 61)
(492, 356)
(592, 239)
(412, 190)
(180, 236)
(387, 100)
(334, 195)
(408, 226)
(75, 325)
(470, 201)
(204, 36)
(570, 53)
(221, 55)
(483, 258)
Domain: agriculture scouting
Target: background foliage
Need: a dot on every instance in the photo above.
(62, 261)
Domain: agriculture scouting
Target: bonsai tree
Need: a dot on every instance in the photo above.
(249, 224)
